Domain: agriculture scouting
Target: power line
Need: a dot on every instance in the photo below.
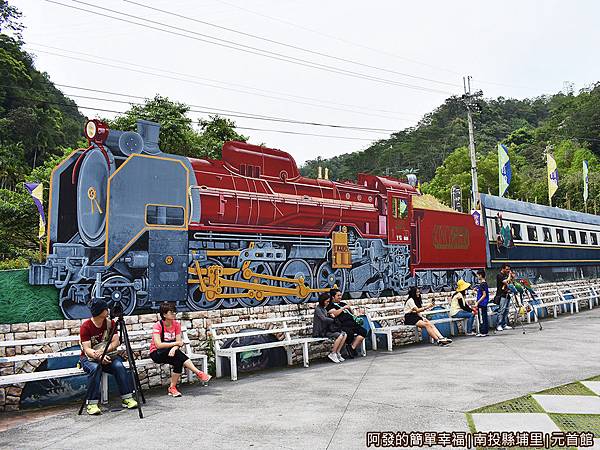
(376, 50)
(295, 47)
(229, 114)
(241, 47)
(114, 111)
(162, 75)
(337, 38)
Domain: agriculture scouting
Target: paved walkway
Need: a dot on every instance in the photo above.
(414, 388)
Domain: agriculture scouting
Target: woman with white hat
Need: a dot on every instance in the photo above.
(459, 307)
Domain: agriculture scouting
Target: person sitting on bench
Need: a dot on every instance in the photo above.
(93, 335)
(459, 307)
(325, 326)
(412, 316)
(349, 323)
(165, 347)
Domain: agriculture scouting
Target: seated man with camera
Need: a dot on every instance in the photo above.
(94, 335)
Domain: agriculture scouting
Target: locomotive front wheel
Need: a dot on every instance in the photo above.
(117, 289)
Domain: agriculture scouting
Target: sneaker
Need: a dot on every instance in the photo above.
(129, 403)
(333, 357)
(339, 357)
(483, 335)
(173, 392)
(508, 327)
(499, 328)
(204, 377)
(93, 409)
(443, 343)
(448, 340)
(472, 333)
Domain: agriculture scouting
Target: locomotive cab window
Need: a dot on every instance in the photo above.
(560, 235)
(164, 215)
(572, 237)
(532, 233)
(583, 237)
(399, 208)
(547, 234)
(593, 239)
(515, 229)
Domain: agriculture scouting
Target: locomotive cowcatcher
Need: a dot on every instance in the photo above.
(138, 226)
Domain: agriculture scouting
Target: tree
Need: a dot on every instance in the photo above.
(177, 134)
(10, 19)
(215, 132)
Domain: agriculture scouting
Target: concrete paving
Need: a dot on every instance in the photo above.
(569, 404)
(514, 422)
(332, 406)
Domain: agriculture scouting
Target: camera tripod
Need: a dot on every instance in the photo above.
(522, 309)
(117, 313)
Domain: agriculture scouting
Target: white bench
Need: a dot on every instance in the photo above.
(25, 377)
(290, 332)
(390, 320)
(552, 299)
(587, 293)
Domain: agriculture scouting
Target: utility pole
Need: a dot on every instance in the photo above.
(468, 98)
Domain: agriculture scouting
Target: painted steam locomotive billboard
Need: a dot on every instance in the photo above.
(139, 226)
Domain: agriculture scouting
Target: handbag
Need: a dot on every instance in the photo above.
(108, 334)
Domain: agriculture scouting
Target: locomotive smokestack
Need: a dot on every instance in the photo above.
(320, 175)
(150, 132)
(327, 173)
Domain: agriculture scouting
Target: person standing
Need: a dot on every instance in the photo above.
(503, 279)
(93, 335)
(483, 296)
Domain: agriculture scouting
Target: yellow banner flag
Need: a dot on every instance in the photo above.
(552, 177)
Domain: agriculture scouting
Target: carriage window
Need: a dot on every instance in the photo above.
(593, 238)
(572, 237)
(583, 237)
(515, 229)
(164, 215)
(560, 235)
(532, 233)
(547, 234)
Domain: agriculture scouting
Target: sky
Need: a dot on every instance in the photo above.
(368, 68)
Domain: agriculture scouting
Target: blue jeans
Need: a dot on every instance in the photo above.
(466, 315)
(503, 311)
(94, 371)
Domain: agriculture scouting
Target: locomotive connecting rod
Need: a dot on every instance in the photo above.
(211, 283)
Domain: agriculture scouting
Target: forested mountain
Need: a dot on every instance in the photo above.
(435, 149)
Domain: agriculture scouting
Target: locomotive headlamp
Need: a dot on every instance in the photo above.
(96, 131)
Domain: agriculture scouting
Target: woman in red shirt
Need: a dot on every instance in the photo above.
(166, 344)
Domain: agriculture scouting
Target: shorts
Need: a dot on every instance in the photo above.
(333, 335)
(411, 318)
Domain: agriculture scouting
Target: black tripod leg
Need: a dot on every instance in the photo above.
(132, 368)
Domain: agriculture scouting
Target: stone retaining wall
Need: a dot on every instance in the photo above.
(197, 324)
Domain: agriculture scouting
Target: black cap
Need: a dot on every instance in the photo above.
(98, 305)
